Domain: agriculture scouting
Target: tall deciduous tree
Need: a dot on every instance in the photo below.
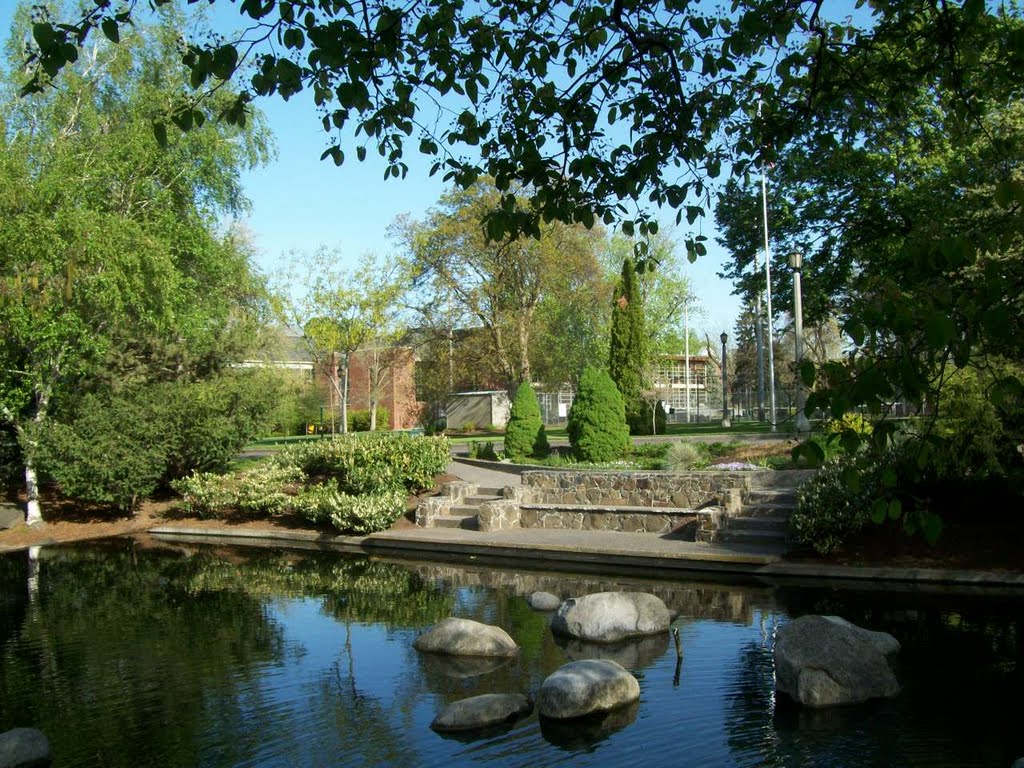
(496, 285)
(340, 312)
(107, 238)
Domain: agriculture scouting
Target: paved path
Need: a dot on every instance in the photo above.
(484, 476)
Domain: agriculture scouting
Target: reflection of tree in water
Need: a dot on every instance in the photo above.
(351, 588)
(119, 666)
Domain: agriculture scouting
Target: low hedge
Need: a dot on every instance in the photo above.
(357, 482)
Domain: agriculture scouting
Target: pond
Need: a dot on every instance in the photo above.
(136, 653)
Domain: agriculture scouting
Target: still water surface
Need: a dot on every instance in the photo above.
(128, 653)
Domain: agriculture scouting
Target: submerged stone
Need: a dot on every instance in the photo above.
(544, 601)
(482, 711)
(608, 617)
(24, 748)
(584, 687)
(465, 637)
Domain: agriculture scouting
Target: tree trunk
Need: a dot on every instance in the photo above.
(523, 323)
(33, 511)
(344, 396)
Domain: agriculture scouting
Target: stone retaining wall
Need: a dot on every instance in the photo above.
(590, 518)
(682, 490)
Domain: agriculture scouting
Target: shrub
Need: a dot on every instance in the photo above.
(683, 456)
(524, 435)
(205, 494)
(371, 461)
(111, 452)
(260, 491)
(597, 420)
(359, 420)
(484, 451)
(348, 513)
(208, 422)
(469, 426)
(835, 504)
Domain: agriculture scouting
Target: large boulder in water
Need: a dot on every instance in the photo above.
(583, 687)
(465, 637)
(24, 748)
(481, 711)
(822, 661)
(608, 617)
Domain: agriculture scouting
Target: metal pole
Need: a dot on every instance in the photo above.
(768, 292)
(796, 261)
(686, 326)
(725, 385)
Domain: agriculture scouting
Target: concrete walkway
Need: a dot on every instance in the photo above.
(484, 476)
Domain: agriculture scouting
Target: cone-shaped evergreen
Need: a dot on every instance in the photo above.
(524, 435)
(597, 420)
(627, 358)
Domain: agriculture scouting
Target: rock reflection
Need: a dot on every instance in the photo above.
(462, 666)
(638, 653)
(581, 734)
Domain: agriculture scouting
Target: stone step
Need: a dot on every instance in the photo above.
(769, 510)
(770, 496)
(478, 499)
(487, 490)
(760, 523)
(464, 510)
(772, 536)
(468, 522)
(790, 478)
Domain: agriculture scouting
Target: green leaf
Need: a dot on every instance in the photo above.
(807, 372)
(878, 511)
(110, 30)
(895, 509)
(931, 526)
(939, 329)
(160, 134)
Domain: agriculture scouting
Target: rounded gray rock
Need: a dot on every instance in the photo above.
(544, 601)
(822, 662)
(607, 617)
(584, 687)
(24, 748)
(465, 637)
(481, 711)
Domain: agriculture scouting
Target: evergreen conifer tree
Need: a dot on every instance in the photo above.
(627, 359)
(525, 435)
(597, 420)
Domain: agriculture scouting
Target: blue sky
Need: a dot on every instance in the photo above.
(300, 203)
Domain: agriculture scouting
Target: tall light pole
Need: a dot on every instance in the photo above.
(796, 261)
(686, 330)
(725, 384)
(768, 288)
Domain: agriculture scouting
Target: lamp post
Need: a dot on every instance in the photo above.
(686, 331)
(725, 384)
(796, 262)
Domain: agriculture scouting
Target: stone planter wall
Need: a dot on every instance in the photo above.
(682, 490)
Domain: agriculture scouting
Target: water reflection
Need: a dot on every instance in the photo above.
(126, 653)
(583, 734)
(632, 654)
